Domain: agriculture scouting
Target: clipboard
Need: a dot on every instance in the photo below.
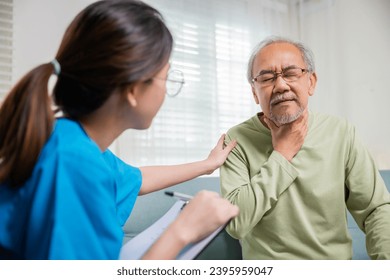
(135, 248)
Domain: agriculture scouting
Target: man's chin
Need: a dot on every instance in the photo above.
(285, 118)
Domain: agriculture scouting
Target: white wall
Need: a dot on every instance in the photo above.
(351, 42)
(39, 26)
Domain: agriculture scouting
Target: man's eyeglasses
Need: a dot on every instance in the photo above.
(174, 82)
(289, 74)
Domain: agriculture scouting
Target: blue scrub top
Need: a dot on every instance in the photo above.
(74, 204)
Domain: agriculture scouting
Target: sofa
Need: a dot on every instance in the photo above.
(149, 208)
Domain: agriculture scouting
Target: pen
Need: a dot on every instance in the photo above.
(181, 196)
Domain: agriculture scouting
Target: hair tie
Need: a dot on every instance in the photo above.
(57, 66)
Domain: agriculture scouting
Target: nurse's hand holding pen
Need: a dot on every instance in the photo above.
(211, 210)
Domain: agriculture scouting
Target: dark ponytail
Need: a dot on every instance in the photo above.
(26, 121)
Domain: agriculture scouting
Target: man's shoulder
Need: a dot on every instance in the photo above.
(330, 121)
(251, 124)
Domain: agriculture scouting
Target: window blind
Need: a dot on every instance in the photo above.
(6, 31)
(213, 41)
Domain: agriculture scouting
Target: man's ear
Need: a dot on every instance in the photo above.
(254, 95)
(312, 83)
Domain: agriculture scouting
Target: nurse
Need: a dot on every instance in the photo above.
(63, 194)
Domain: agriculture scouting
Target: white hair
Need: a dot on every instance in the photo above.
(307, 54)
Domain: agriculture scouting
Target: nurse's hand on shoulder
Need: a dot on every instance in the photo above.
(202, 215)
(219, 154)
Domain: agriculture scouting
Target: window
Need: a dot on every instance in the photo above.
(213, 41)
(5, 46)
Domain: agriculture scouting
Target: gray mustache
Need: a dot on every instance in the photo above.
(282, 97)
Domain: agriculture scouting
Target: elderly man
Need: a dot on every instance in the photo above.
(294, 173)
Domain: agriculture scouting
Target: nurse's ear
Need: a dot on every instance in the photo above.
(131, 95)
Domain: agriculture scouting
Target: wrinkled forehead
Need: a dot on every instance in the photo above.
(277, 56)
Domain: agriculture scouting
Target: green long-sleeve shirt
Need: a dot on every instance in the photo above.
(297, 209)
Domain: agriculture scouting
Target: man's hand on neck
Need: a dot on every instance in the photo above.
(287, 139)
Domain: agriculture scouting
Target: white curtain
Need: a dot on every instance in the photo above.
(213, 40)
(6, 43)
